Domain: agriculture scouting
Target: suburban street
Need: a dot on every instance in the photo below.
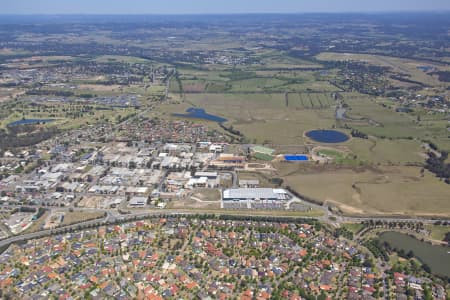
(113, 216)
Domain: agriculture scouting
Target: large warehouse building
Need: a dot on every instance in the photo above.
(255, 198)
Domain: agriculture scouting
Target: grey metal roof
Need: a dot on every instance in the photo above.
(251, 193)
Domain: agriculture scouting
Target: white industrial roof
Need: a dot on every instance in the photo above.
(138, 201)
(248, 181)
(205, 174)
(254, 193)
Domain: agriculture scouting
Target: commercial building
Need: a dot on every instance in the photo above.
(229, 160)
(248, 183)
(209, 175)
(137, 202)
(266, 198)
(216, 148)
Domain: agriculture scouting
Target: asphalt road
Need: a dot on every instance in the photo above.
(110, 218)
(113, 216)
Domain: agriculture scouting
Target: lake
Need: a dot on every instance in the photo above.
(327, 136)
(30, 122)
(436, 257)
(200, 113)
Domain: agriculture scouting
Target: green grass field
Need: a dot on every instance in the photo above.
(370, 117)
(250, 81)
(61, 114)
(385, 151)
(339, 157)
(263, 117)
(437, 232)
(311, 100)
(353, 227)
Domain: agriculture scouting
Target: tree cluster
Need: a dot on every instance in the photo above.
(438, 166)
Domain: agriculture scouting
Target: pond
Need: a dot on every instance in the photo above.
(327, 136)
(30, 122)
(436, 257)
(200, 113)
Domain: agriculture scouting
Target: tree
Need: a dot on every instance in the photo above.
(447, 237)
(132, 165)
(322, 296)
(426, 268)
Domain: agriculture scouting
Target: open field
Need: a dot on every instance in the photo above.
(353, 227)
(100, 87)
(384, 190)
(336, 156)
(252, 80)
(437, 232)
(207, 195)
(368, 115)
(9, 51)
(122, 59)
(263, 179)
(193, 204)
(37, 225)
(263, 117)
(80, 216)
(91, 202)
(7, 94)
(276, 60)
(385, 151)
(201, 198)
(37, 61)
(310, 100)
(66, 115)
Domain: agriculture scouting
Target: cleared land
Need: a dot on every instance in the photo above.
(384, 190)
(80, 216)
(39, 223)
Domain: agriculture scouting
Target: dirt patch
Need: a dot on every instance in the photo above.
(256, 166)
(348, 209)
(91, 202)
(99, 87)
(191, 203)
(209, 195)
(80, 216)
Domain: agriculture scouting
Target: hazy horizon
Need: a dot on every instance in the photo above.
(392, 12)
(202, 7)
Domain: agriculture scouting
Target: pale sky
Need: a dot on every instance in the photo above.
(214, 6)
